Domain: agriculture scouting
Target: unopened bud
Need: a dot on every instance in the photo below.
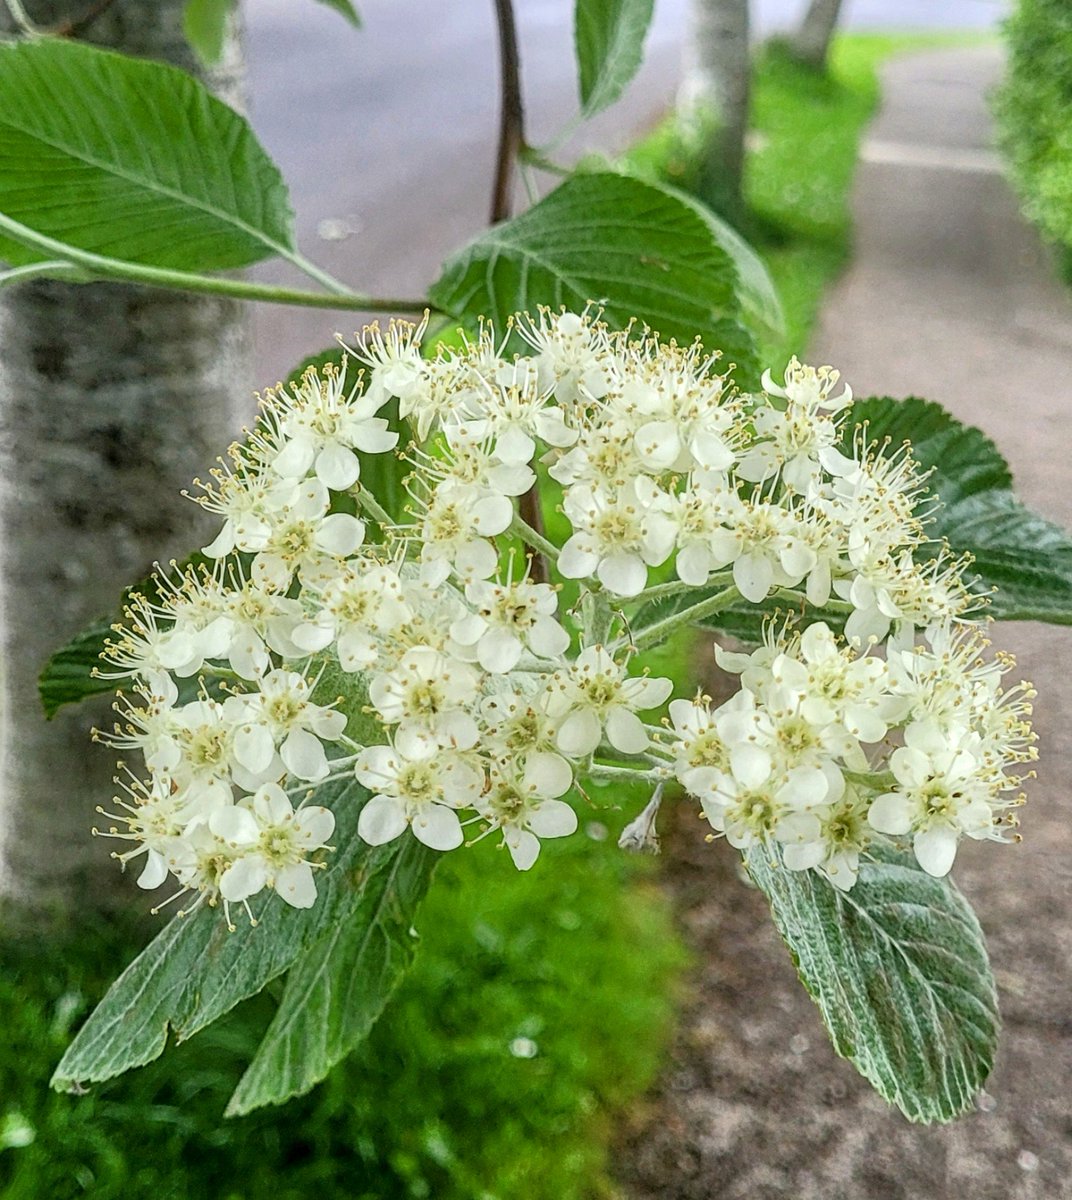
(640, 835)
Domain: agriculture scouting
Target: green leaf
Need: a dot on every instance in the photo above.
(205, 23)
(133, 160)
(608, 37)
(195, 970)
(1027, 558)
(899, 970)
(630, 246)
(68, 675)
(345, 8)
(338, 988)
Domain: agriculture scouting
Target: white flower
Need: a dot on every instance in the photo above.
(523, 802)
(281, 718)
(617, 536)
(272, 843)
(321, 428)
(458, 520)
(361, 606)
(509, 617)
(427, 695)
(940, 796)
(595, 696)
(422, 789)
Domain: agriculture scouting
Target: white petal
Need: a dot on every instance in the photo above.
(154, 872)
(381, 820)
(340, 534)
(337, 467)
(314, 824)
(890, 814)
(236, 826)
(623, 574)
(801, 856)
(296, 885)
(272, 805)
(626, 732)
(304, 755)
(554, 818)
(579, 733)
(548, 774)
(935, 849)
(253, 747)
(751, 766)
(753, 574)
(438, 827)
(498, 651)
(524, 848)
(244, 878)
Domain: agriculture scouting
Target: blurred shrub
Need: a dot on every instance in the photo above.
(1034, 111)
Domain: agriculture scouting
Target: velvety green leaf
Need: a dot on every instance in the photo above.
(131, 159)
(336, 991)
(634, 248)
(899, 970)
(1021, 554)
(608, 37)
(205, 24)
(68, 675)
(346, 9)
(195, 970)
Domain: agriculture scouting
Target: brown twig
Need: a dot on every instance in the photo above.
(75, 27)
(512, 114)
(511, 141)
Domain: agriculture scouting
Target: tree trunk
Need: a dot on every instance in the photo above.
(716, 93)
(812, 40)
(112, 398)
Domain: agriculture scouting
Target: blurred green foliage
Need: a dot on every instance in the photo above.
(1034, 111)
(806, 128)
(538, 1008)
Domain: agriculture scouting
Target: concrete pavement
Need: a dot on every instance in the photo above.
(949, 297)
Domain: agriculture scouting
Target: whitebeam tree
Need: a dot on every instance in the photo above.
(111, 395)
(378, 658)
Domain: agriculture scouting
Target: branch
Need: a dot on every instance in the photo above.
(512, 116)
(102, 267)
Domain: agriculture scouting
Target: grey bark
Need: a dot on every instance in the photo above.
(716, 93)
(112, 398)
(812, 40)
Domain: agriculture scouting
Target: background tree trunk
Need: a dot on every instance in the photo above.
(716, 93)
(812, 40)
(112, 398)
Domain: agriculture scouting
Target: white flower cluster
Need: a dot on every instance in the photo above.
(472, 699)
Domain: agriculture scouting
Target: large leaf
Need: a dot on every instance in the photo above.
(1024, 556)
(899, 970)
(338, 988)
(195, 970)
(634, 248)
(608, 37)
(131, 159)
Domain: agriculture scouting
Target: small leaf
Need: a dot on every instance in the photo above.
(608, 37)
(629, 246)
(346, 9)
(336, 991)
(131, 159)
(899, 970)
(195, 970)
(205, 24)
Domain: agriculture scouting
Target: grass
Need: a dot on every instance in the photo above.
(540, 1004)
(538, 1007)
(805, 139)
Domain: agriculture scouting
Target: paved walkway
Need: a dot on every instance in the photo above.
(950, 297)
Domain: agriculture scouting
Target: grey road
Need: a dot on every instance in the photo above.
(386, 134)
